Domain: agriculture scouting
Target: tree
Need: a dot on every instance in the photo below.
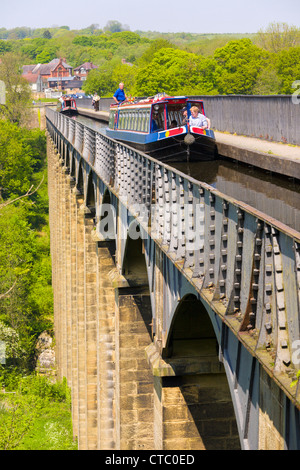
(154, 47)
(238, 65)
(288, 68)
(17, 414)
(114, 26)
(100, 81)
(5, 47)
(17, 89)
(278, 36)
(16, 161)
(47, 34)
(175, 72)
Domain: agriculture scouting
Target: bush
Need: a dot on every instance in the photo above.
(34, 412)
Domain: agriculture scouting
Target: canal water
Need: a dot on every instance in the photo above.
(270, 193)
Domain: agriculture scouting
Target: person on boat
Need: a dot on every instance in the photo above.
(119, 95)
(197, 119)
(154, 123)
(184, 116)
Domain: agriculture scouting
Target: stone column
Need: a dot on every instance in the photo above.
(81, 324)
(74, 310)
(106, 347)
(134, 380)
(90, 294)
(68, 287)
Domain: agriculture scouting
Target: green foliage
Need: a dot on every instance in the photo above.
(25, 265)
(41, 50)
(288, 68)
(238, 65)
(176, 72)
(278, 36)
(34, 413)
(5, 47)
(262, 63)
(100, 81)
(16, 418)
(295, 382)
(17, 89)
(153, 48)
(16, 160)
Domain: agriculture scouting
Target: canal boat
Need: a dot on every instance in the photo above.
(159, 126)
(67, 105)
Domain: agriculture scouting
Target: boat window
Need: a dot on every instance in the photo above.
(128, 120)
(147, 120)
(131, 119)
(158, 118)
(199, 105)
(121, 124)
(140, 120)
(135, 120)
(175, 114)
(111, 119)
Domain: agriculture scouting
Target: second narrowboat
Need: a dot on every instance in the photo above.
(67, 105)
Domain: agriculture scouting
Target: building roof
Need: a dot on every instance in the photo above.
(45, 69)
(31, 77)
(86, 66)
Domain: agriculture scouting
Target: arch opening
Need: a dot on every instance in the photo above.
(90, 197)
(134, 264)
(106, 223)
(191, 330)
(80, 182)
(200, 381)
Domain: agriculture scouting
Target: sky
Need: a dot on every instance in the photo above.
(194, 16)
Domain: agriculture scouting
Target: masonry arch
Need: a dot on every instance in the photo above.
(91, 193)
(106, 217)
(192, 350)
(73, 165)
(80, 179)
(191, 330)
(133, 323)
(134, 262)
(67, 158)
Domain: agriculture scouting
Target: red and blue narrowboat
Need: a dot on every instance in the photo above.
(67, 105)
(160, 126)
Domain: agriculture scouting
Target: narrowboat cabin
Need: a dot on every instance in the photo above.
(67, 105)
(159, 126)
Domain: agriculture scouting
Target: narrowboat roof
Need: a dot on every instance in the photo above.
(160, 98)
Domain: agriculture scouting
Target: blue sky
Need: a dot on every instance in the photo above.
(214, 16)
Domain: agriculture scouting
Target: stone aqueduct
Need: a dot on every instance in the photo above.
(167, 347)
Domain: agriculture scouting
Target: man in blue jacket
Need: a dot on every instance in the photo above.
(120, 96)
